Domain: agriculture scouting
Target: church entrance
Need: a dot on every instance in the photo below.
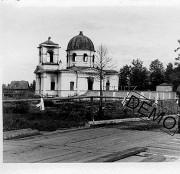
(90, 83)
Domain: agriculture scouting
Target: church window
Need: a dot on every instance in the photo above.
(50, 56)
(72, 86)
(93, 58)
(74, 57)
(52, 85)
(85, 58)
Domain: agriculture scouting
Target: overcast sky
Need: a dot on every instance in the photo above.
(129, 31)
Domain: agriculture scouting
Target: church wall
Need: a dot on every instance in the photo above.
(82, 84)
(96, 84)
(42, 83)
(65, 80)
(54, 67)
(37, 84)
(113, 79)
(51, 78)
(46, 84)
(79, 58)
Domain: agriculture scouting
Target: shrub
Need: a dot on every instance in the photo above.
(16, 108)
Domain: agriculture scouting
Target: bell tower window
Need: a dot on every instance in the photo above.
(74, 57)
(85, 58)
(50, 56)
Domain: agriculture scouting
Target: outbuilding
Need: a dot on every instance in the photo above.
(165, 87)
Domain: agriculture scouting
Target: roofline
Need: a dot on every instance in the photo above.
(48, 46)
(81, 50)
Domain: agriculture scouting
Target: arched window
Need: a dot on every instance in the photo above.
(85, 58)
(50, 56)
(74, 57)
(93, 58)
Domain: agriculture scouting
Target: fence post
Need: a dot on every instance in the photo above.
(133, 106)
(162, 106)
(92, 115)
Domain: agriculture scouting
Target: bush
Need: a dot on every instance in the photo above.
(16, 108)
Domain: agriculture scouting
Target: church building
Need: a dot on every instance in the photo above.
(80, 74)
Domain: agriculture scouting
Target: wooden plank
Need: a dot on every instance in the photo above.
(119, 155)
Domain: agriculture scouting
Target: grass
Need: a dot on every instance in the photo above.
(21, 115)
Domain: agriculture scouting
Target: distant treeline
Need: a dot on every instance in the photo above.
(147, 79)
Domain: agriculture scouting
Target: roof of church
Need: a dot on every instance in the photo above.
(49, 42)
(81, 68)
(39, 69)
(80, 42)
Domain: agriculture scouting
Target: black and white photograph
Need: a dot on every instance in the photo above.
(90, 82)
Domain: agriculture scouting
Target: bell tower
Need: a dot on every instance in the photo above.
(47, 69)
(49, 53)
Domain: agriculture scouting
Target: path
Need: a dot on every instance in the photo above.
(85, 145)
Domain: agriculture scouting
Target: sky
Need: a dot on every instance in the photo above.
(146, 29)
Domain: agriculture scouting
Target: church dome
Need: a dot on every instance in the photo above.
(80, 42)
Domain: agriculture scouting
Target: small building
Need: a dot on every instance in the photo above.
(164, 87)
(80, 74)
(19, 86)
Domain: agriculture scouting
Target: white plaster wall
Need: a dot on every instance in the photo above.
(164, 88)
(62, 88)
(37, 82)
(46, 84)
(51, 67)
(79, 58)
(96, 84)
(114, 80)
(82, 83)
(64, 84)
(37, 85)
(42, 83)
(66, 78)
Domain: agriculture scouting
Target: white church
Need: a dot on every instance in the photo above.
(80, 74)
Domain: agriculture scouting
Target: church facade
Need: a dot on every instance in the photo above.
(80, 74)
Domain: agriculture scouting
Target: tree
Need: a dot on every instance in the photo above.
(177, 58)
(139, 75)
(32, 85)
(169, 70)
(157, 73)
(103, 62)
(175, 77)
(3, 85)
(124, 76)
